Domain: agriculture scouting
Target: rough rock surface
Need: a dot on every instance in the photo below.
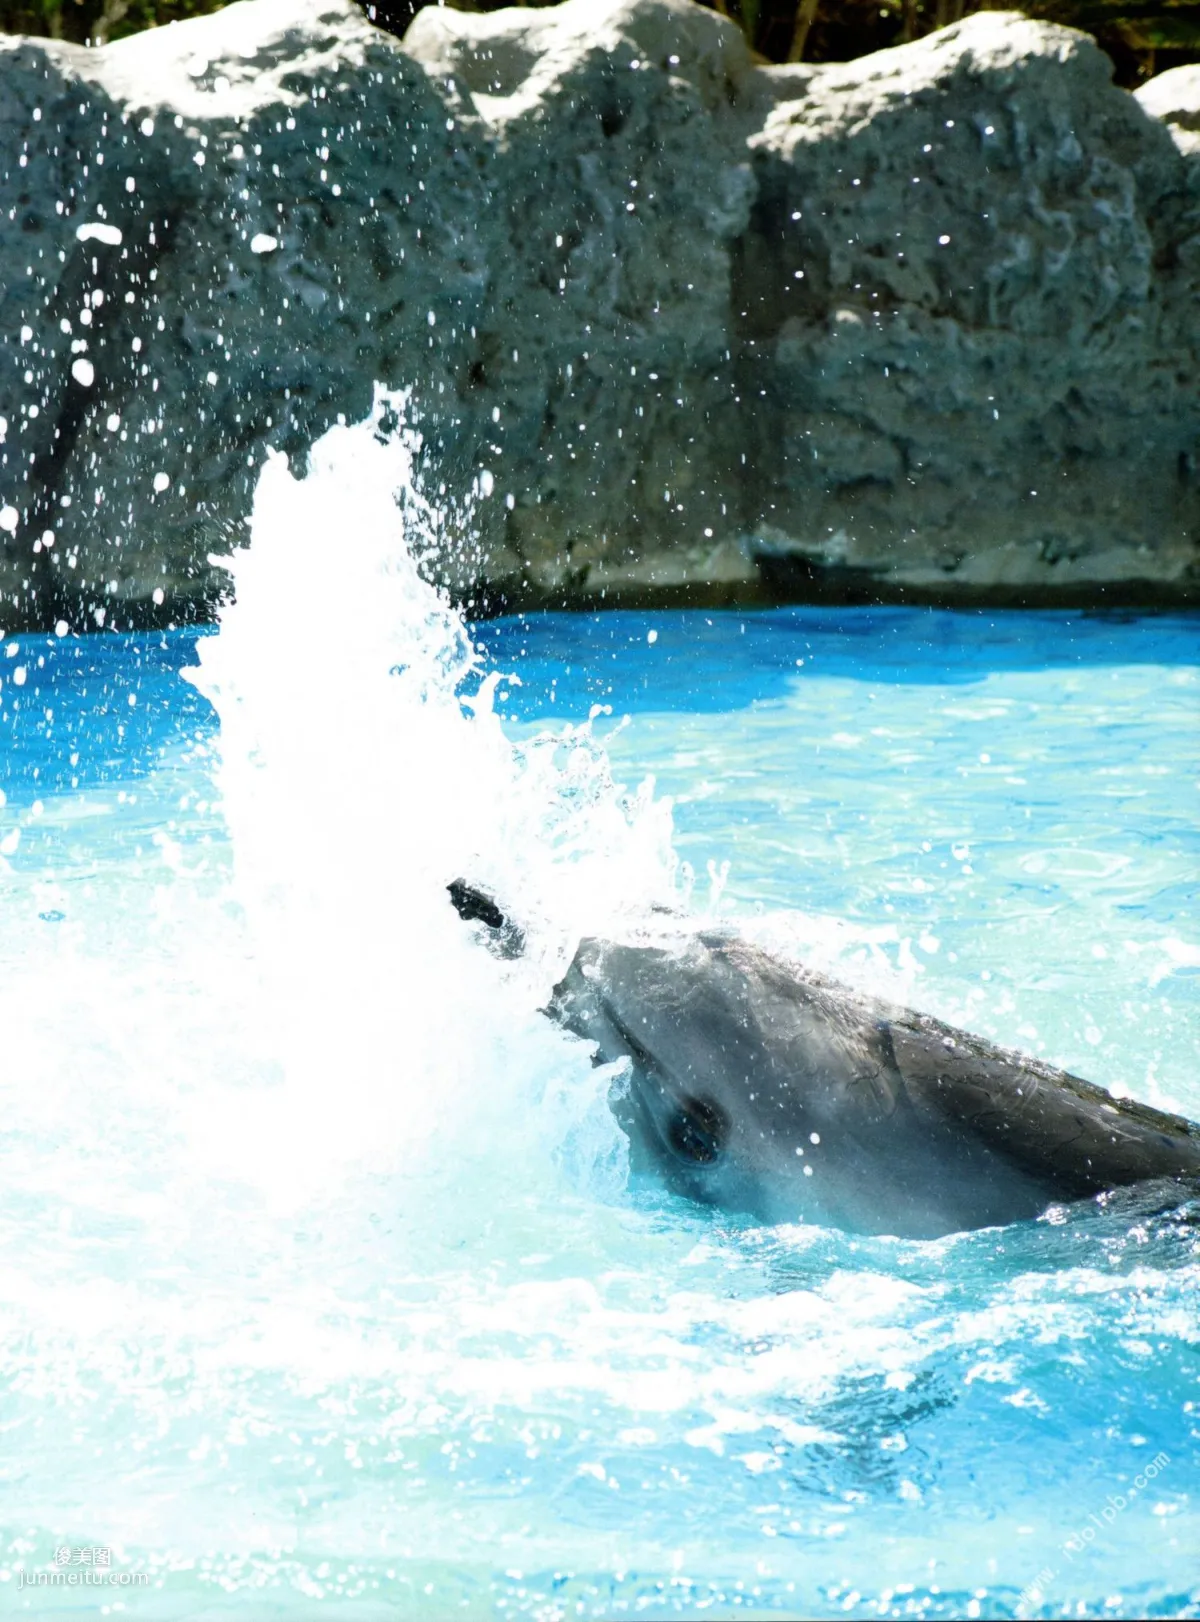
(1175, 98)
(924, 324)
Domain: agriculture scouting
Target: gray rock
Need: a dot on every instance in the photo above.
(1174, 97)
(695, 317)
(983, 379)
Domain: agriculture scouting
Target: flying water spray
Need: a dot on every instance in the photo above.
(362, 767)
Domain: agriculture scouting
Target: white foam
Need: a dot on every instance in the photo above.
(362, 768)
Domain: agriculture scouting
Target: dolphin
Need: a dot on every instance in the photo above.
(762, 1087)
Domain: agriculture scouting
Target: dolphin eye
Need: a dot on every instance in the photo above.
(698, 1130)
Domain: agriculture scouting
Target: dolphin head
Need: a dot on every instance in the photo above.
(699, 1099)
(763, 1088)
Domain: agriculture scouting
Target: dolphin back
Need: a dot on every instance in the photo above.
(1055, 1125)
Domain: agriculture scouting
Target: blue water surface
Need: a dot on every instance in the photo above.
(629, 1407)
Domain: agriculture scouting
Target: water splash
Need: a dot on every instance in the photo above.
(362, 767)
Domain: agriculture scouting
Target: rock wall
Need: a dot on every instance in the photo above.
(926, 324)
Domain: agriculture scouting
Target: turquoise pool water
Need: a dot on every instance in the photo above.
(323, 1293)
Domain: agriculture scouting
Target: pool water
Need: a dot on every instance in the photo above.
(324, 1288)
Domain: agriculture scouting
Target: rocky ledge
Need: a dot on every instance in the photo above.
(925, 325)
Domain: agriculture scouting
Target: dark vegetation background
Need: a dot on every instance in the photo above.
(1143, 37)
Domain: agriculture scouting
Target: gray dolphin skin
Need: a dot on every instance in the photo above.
(761, 1087)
